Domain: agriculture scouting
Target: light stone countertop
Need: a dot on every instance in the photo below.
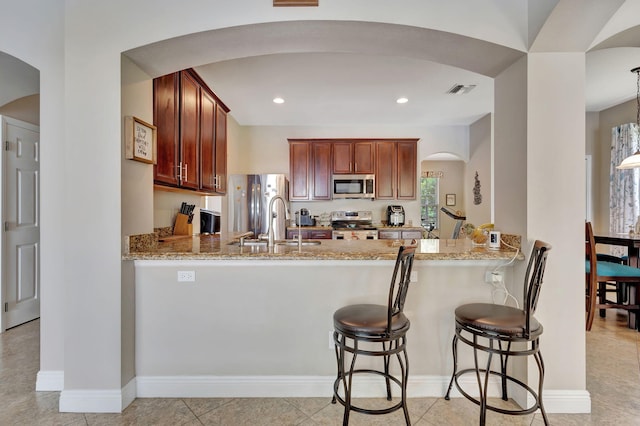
(212, 247)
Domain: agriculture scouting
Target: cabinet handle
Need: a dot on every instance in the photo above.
(186, 172)
(179, 166)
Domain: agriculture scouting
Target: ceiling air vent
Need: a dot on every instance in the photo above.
(461, 89)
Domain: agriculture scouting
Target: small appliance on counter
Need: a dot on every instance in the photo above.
(303, 218)
(209, 222)
(395, 215)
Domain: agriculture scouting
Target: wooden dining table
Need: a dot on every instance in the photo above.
(632, 243)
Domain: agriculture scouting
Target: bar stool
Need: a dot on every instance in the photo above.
(505, 331)
(360, 329)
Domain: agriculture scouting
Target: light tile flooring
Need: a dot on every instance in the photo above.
(613, 379)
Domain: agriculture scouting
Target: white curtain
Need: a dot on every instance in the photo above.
(624, 196)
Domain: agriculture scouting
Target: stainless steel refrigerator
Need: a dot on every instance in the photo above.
(249, 198)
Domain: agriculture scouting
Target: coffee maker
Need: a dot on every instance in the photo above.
(395, 215)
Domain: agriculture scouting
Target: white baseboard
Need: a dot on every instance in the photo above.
(98, 401)
(322, 386)
(49, 381)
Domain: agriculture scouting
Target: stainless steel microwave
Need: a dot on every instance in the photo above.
(353, 186)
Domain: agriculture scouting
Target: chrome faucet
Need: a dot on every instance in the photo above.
(271, 232)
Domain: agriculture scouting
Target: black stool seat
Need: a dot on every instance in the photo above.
(368, 320)
(493, 329)
(361, 329)
(499, 319)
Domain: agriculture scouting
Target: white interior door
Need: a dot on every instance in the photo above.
(21, 223)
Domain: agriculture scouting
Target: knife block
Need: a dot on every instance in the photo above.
(182, 227)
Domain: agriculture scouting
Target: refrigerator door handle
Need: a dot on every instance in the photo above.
(256, 208)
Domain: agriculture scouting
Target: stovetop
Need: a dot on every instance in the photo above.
(352, 220)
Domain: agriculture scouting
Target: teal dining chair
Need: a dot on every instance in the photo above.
(600, 275)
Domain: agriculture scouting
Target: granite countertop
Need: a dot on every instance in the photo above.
(212, 247)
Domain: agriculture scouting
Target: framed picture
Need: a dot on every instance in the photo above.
(140, 140)
(451, 199)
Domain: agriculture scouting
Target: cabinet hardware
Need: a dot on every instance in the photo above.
(186, 172)
(7, 146)
(181, 177)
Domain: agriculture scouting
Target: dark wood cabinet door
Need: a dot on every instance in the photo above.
(321, 159)
(299, 176)
(189, 131)
(221, 151)
(406, 169)
(342, 158)
(166, 113)
(363, 157)
(385, 170)
(207, 141)
(320, 234)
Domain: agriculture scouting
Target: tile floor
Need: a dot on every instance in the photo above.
(613, 378)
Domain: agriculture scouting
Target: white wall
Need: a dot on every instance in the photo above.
(480, 142)
(40, 44)
(555, 202)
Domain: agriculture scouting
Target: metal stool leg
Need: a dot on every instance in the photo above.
(405, 376)
(454, 350)
(540, 362)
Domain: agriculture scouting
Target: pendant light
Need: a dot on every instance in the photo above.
(633, 161)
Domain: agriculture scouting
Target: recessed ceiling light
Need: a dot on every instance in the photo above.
(402, 100)
(278, 100)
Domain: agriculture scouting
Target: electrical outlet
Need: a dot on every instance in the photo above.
(331, 342)
(186, 276)
(491, 277)
(414, 277)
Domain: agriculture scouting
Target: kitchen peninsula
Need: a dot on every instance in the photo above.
(257, 321)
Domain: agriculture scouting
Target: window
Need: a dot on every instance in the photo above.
(429, 188)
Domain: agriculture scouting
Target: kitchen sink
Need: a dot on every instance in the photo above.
(293, 242)
(250, 242)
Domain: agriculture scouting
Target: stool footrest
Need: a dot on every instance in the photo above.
(522, 411)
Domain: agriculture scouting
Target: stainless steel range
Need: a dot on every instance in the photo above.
(353, 225)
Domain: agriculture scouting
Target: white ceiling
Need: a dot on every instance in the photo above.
(349, 73)
(337, 73)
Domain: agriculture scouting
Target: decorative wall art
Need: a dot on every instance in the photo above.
(451, 199)
(140, 140)
(477, 196)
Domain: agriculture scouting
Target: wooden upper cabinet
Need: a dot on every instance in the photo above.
(363, 157)
(385, 170)
(166, 96)
(407, 170)
(299, 174)
(342, 157)
(309, 170)
(313, 161)
(396, 170)
(192, 134)
(189, 132)
(221, 150)
(321, 159)
(353, 157)
(207, 142)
